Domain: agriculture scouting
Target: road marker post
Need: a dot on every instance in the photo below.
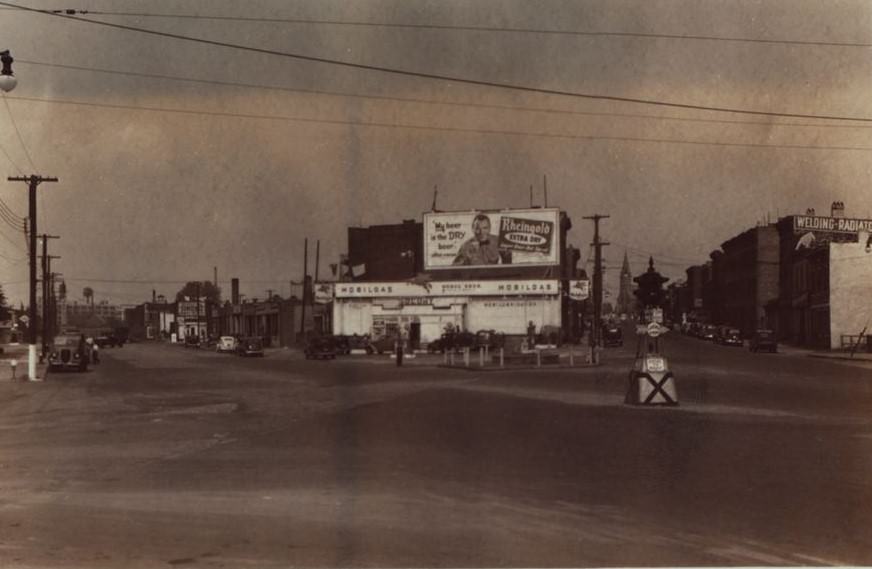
(651, 380)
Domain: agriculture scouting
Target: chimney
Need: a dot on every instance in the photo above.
(234, 291)
(810, 211)
(153, 296)
(838, 209)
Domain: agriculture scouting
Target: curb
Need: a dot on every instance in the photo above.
(845, 358)
(521, 368)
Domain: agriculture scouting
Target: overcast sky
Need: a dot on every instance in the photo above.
(151, 198)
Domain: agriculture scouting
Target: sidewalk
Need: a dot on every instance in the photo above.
(18, 352)
(829, 355)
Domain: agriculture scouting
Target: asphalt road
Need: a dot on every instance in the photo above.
(162, 456)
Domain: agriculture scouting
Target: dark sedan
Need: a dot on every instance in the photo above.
(250, 347)
(323, 348)
(763, 340)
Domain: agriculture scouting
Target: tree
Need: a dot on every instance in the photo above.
(206, 289)
(5, 314)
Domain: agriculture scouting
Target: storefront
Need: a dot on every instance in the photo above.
(426, 310)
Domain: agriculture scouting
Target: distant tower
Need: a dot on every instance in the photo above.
(626, 300)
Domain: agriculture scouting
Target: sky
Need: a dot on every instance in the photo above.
(175, 157)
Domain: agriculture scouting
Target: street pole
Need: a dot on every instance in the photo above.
(597, 280)
(305, 279)
(32, 182)
(198, 310)
(46, 263)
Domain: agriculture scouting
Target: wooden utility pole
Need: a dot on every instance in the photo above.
(595, 331)
(32, 182)
(305, 292)
(317, 257)
(46, 269)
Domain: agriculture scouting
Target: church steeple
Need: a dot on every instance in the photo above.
(625, 270)
(626, 300)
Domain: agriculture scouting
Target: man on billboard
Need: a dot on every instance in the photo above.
(483, 248)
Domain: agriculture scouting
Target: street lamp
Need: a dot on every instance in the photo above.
(7, 78)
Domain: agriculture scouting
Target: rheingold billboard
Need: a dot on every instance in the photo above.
(525, 237)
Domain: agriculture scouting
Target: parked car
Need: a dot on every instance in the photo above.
(729, 336)
(490, 339)
(250, 347)
(342, 344)
(107, 340)
(440, 344)
(323, 347)
(708, 332)
(612, 335)
(226, 345)
(763, 340)
(192, 341)
(68, 352)
(384, 344)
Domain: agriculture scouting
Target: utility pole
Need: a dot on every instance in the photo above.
(46, 269)
(53, 305)
(317, 257)
(595, 330)
(32, 182)
(198, 309)
(305, 280)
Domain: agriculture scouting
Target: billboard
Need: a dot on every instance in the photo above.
(519, 237)
(448, 288)
(844, 225)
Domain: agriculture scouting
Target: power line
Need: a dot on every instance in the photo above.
(8, 210)
(18, 133)
(435, 76)
(11, 161)
(461, 28)
(375, 124)
(13, 243)
(417, 100)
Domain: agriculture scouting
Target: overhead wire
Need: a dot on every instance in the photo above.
(466, 28)
(11, 161)
(423, 101)
(433, 76)
(18, 133)
(376, 124)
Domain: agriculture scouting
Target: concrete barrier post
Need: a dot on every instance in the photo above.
(481, 357)
(502, 357)
(571, 356)
(466, 357)
(538, 358)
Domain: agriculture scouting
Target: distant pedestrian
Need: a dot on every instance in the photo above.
(95, 353)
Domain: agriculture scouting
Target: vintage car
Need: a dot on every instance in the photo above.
(250, 347)
(225, 345)
(612, 335)
(490, 339)
(729, 336)
(763, 340)
(107, 340)
(68, 352)
(384, 344)
(708, 332)
(321, 348)
(192, 341)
